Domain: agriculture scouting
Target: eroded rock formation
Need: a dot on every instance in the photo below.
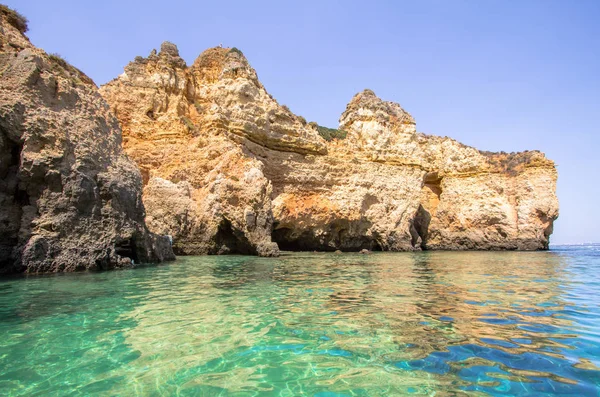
(228, 169)
(69, 197)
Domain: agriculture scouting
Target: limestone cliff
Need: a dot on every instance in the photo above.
(227, 169)
(69, 198)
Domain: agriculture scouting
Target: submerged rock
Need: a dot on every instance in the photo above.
(257, 174)
(69, 197)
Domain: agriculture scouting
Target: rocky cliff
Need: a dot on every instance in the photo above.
(228, 169)
(69, 197)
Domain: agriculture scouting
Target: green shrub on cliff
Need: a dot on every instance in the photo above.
(329, 134)
(189, 124)
(61, 66)
(237, 51)
(59, 59)
(15, 19)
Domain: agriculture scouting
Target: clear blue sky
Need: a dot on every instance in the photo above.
(494, 74)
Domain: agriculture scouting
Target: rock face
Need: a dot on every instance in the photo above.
(468, 199)
(69, 197)
(228, 169)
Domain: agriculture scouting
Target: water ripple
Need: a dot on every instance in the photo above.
(501, 324)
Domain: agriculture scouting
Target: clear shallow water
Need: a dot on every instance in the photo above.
(322, 325)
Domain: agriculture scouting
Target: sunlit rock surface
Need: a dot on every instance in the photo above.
(228, 169)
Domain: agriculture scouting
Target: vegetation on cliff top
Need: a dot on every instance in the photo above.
(514, 162)
(329, 134)
(55, 57)
(14, 18)
(72, 71)
(236, 50)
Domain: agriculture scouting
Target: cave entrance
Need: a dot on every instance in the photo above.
(287, 240)
(127, 249)
(374, 246)
(420, 228)
(231, 241)
(430, 199)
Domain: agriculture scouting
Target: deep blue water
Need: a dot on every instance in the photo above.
(430, 323)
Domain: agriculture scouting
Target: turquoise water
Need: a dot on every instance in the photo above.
(433, 323)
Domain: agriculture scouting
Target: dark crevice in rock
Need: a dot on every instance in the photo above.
(231, 241)
(548, 230)
(127, 249)
(12, 200)
(15, 153)
(22, 198)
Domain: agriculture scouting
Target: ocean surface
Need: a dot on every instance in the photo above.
(324, 325)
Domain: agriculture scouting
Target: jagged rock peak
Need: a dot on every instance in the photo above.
(168, 48)
(167, 56)
(220, 63)
(366, 111)
(366, 93)
(220, 55)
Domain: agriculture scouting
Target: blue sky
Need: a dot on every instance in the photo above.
(494, 74)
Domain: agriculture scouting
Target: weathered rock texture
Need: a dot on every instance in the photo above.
(227, 169)
(69, 197)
